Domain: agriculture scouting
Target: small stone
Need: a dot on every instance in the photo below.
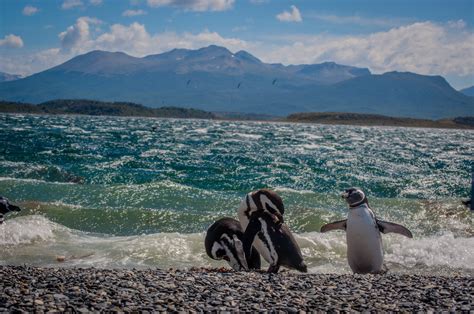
(39, 302)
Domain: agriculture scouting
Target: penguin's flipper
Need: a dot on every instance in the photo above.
(337, 225)
(390, 227)
(254, 227)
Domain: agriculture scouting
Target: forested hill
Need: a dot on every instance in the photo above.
(100, 108)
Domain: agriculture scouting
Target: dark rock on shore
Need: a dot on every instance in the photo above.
(29, 289)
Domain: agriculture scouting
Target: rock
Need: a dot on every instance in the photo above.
(153, 290)
(39, 302)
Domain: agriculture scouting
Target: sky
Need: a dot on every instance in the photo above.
(431, 37)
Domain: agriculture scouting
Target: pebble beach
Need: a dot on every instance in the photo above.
(24, 288)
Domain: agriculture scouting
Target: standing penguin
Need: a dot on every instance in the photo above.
(5, 207)
(224, 241)
(364, 242)
(261, 215)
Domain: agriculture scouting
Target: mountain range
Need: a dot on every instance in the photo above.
(6, 77)
(215, 79)
(469, 91)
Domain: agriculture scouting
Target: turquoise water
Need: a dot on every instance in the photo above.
(137, 192)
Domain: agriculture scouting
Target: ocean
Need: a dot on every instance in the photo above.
(141, 192)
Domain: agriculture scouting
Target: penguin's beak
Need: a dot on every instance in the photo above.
(302, 268)
(345, 195)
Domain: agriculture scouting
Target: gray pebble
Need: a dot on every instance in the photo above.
(27, 289)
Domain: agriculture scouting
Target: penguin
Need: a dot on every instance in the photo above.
(5, 207)
(261, 215)
(364, 241)
(224, 241)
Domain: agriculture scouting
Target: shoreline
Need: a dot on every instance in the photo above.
(433, 124)
(90, 289)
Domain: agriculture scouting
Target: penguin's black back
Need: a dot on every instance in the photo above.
(288, 250)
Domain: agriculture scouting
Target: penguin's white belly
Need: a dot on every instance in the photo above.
(263, 250)
(268, 253)
(364, 243)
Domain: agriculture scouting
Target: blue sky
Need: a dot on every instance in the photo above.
(427, 37)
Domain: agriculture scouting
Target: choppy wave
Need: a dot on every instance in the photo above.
(170, 207)
(141, 192)
(387, 162)
(37, 240)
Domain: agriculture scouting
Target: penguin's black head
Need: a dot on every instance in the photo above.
(230, 249)
(6, 206)
(354, 197)
(271, 204)
(223, 241)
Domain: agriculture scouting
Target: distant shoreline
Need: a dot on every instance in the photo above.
(125, 109)
(359, 119)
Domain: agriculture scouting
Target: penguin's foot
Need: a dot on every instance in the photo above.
(383, 271)
(273, 269)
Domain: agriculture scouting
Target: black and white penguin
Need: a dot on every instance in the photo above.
(261, 216)
(224, 241)
(364, 242)
(5, 207)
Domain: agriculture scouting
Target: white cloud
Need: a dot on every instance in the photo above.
(135, 40)
(459, 24)
(30, 10)
(293, 16)
(194, 5)
(11, 41)
(69, 4)
(95, 2)
(425, 48)
(32, 63)
(77, 35)
(133, 12)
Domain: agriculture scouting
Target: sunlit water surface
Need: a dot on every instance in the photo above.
(137, 192)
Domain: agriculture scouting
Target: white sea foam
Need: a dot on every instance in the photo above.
(201, 130)
(153, 152)
(35, 239)
(445, 250)
(290, 190)
(309, 136)
(32, 180)
(248, 136)
(26, 230)
(311, 146)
